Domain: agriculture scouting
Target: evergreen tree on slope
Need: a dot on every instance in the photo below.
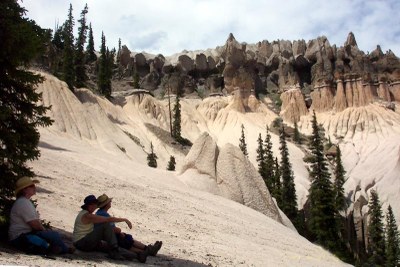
(90, 52)
(376, 235)
(392, 248)
(176, 126)
(289, 198)
(340, 199)
(80, 71)
(269, 165)
(68, 52)
(261, 161)
(242, 143)
(323, 224)
(20, 109)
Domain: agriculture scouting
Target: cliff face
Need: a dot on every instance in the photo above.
(334, 78)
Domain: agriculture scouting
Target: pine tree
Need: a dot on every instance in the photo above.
(102, 79)
(90, 53)
(110, 56)
(261, 160)
(242, 143)
(340, 199)
(323, 224)
(68, 52)
(296, 135)
(376, 234)
(58, 38)
(176, 126)
(269, 164)
(171, 164)
(119, 52)
(392, 247)
(278, 185)
(21, 110)
(80, 71)
(152, 157)
(289, 198)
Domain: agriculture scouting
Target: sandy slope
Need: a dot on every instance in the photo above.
(196, 227)
(81, 155)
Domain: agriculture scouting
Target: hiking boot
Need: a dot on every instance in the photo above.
(142, 256)
(152, 250)
(115, 255)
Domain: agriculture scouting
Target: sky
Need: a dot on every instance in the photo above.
(170, 26)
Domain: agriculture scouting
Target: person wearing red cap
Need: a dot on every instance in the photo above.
(26, 232)
(88, 238)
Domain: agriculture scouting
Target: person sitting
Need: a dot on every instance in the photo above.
(88, 238)
(26, 231)
(125, 240)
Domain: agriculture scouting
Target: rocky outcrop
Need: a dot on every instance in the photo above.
(125, 56)
(293, 105)
(185, 64)
(229, 173)
(322, 98)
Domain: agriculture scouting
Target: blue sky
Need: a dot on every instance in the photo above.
(169, 26)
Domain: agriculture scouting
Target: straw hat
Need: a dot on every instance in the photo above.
(103, 200)
(24, 182)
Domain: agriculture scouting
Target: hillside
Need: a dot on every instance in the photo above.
(82, 154)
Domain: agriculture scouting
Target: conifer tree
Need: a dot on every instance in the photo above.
(171, 164)
(80, 71)
(152, 157)
(261, 160)
(68, 52)
(90, 53)
(242, 143)
(21, 109)
(323, 224)
(296, 135)
(119, 52)
(269, 164)
(289, 198)
(102, 79)
(278, 185)
(176, 126)
(392, 248)
(376, 235)
(340, 199)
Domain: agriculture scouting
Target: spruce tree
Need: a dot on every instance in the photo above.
(68, 52)
(90, 52)
(176, 125)
(80, 71)
(102, 79)
(119, 52)
(152, 157)
(392, 248)
(261, 161)
(269, 164)
(278, 185)
(376, 234)
(340, 199)
(289, 198)
(323, 224)
(242, 142)
(296, 135)
(171, 164)
(21, 109)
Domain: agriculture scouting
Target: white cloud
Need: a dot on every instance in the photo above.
(169, 26)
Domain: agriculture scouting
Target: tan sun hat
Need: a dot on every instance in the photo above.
(103, 200)
(24, 182)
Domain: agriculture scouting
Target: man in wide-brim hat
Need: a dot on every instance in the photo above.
(125, 240)
(26, 232)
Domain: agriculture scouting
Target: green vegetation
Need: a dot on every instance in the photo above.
(171, 164)
(20, 110)
(242, 143)
(152, 157)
